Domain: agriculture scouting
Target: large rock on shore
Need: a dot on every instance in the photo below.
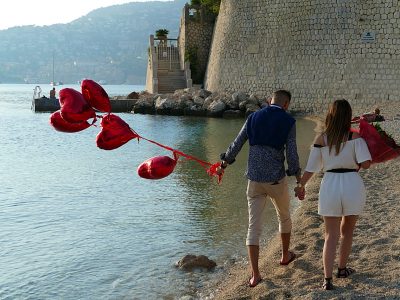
(190, 261)
(199, 102)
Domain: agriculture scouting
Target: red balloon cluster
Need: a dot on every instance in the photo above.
(381, 146)
(77, 108)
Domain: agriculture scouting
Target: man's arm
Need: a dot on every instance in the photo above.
(234, 148)
(292, 155)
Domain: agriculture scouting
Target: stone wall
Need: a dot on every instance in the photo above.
(195, 36)
(320, 50)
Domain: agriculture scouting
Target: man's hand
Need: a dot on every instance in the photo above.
(300, 192)
(221, 168)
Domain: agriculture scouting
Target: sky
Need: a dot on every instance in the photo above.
(48, 12)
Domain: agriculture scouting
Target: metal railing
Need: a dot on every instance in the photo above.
(167, 50)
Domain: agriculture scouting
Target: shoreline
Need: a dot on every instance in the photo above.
(376, 247)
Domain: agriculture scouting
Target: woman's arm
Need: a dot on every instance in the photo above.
(300, 189)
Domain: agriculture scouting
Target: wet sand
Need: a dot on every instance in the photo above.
(376, 246)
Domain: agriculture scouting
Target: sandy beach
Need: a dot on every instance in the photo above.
(376, 246)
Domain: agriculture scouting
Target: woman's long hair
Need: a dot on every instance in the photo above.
(337, 124)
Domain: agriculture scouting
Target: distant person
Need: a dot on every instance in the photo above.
(53, 93)
(340, 153)
(374, 116)
(271, 133)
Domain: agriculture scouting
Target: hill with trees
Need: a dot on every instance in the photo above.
(107, 44)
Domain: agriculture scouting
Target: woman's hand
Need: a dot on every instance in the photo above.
(300, 192)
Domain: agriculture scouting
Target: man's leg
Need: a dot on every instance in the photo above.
(285, 238)
(256, 204)
(279, 194)
(253, 252)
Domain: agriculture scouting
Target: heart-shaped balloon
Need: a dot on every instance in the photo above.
(95, 95)
(114, 133)
(74, 108)
(157, 167)
(61, 125)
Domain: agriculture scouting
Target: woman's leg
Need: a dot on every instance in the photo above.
(332, 232)
(346, 229)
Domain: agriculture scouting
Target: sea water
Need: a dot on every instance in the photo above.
(77, 222)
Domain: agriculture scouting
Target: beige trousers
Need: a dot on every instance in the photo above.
(257, 193)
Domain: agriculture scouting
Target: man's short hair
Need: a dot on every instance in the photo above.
(282, 96)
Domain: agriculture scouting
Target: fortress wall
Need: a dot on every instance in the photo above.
(318, 49)
(195, 37)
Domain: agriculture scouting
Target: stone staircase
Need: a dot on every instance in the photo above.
(170, 76)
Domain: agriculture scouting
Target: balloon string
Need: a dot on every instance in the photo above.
(202, 162)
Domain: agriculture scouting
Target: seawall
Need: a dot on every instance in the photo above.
(320, 50)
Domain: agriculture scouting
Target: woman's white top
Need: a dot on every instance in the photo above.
(351, 154)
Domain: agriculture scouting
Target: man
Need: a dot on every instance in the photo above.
(270, 131)
(53, 93)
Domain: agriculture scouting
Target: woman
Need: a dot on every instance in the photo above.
(340, 153)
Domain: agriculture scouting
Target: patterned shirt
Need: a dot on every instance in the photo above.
(266, 164)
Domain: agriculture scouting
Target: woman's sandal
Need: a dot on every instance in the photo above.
(327, 285)
(344, 272)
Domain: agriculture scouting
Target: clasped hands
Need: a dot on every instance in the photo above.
(300, 192)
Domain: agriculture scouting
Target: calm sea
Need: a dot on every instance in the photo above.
(77, 222)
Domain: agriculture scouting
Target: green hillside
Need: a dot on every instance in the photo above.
(107, 44)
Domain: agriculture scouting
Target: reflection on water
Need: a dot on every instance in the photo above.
(77, 222)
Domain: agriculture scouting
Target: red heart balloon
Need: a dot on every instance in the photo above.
(61, 125)
(114, 133)
(157, 167)
(74, 108)
(95, 95)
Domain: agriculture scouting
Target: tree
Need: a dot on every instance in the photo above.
(211, 5)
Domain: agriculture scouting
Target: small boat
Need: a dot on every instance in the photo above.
(43, 103)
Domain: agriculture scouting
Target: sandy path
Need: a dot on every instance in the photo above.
(376, 248)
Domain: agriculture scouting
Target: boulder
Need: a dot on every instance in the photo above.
(250, 108)
(133, 95)
(239, 97)
(168, 106)
(216, 108)
(198, 100)
(202, 93)
(144, 105)
(207, 102)
(232, 114)
(190, 261)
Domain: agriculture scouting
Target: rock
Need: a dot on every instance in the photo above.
(198, 100)
(202, 93)
(190, 261)
(242, 105)
(232, 114)
(253, 100)
(250, 108)
(207, 102)
(133, 95)
(239, 97)
(216, 108)
(168, 106)
(144, 105)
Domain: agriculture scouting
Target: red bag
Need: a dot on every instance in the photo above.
(157, 167)
(380, 145)
(74, 108)
(61, 125)
(114, 133)
(95, 95)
